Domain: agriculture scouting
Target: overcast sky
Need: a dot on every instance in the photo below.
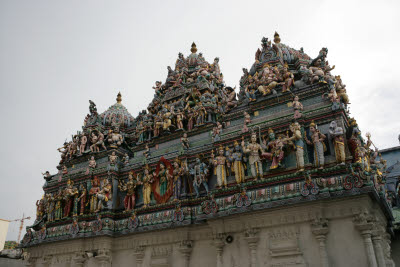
(56, 55)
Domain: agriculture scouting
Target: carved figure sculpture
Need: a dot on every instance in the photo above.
(317, 140)
(275, 147)
(337, 135)
(253, 149)
(299, 145)
(237, 159)
(200, 173)
(185, 141)
(220, 169)
(297, 107)
(129, 187)
(147, 181)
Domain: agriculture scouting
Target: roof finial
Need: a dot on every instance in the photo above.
(119, 98)
(277, 39)
(194, 48)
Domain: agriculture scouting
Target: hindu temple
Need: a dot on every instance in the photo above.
(274, 173)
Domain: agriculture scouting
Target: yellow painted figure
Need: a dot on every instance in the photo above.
(237, 166)
(147, 181)
(337, 134)
(220, 167)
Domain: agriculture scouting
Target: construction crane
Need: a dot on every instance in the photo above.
(21, 226)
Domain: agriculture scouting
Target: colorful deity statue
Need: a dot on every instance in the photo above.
(247, 120)
(177, 174)
(75, 209)
(336, 133)
(185, 141)
(236, 159)
(164, 177)
(250, 89)
(93, 201)
(157, 88)
(297, 107)
(267, 80)
(82, 143)
(104, 195)
(317, 73)
(230, 99)
(190, 119)
(115, 139)
(317, 140)
(126, 159)
(82, 198)
(275, 146)
(146, 152)
(140, 132)
(200, 173)
(97, 139)
(355, 140)
(200, 113)
(40, 208)
(287, 78)
(220, 167)
(179, 119)
(70, 194)
(297, 139)
(58, 208)
(129, 187)
(91, 166)
(113, 162)
(341, 90)
(50, 207)
(147, 181)
(254, 149)
(167, 116)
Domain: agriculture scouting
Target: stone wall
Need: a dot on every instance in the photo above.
(344, 232)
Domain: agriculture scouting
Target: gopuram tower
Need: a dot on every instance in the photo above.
(276, 174)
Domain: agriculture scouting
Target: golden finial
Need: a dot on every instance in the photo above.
(194, 48)
(119, 98)
(277, 39)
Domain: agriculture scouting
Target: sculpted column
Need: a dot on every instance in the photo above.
(320, 229)
(47, 261)
(139, 254)
(377, 242)
(104, 257)
(79, 259)
(186, 248)
(363, 223)
(251, 236)
(219, 245)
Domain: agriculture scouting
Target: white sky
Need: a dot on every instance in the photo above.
(56, 55)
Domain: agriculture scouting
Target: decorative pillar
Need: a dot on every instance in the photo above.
(139, 254)
(251, 236)
(377, 242)
(320, 229)
(364, 224)
(186, 247)
(104, 257)
(79, 259)
(219, 244)
(47, 260)
(28, 260)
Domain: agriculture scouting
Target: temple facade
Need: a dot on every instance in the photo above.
(275, 174)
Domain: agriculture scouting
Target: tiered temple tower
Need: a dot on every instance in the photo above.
(278, 175)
